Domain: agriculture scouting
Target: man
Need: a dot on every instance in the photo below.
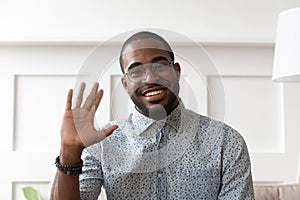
(162, 151)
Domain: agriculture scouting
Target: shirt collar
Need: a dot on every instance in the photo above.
(142, 122)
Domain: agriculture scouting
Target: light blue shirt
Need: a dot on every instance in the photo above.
(185, 156)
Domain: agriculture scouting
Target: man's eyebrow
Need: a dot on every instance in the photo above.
(135, 64)
(154, 60)
(159, 58)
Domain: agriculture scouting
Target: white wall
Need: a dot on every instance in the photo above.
(43, 44)
(203, 20)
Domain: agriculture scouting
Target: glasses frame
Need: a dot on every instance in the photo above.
(170, 63)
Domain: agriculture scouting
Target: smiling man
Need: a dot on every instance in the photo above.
(153, 65)
(162, 151)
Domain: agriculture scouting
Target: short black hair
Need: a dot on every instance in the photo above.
(141, 36)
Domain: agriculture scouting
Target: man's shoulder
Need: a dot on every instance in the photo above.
(208, 125)
(203, 120)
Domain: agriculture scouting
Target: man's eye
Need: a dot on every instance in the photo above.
(136, 72)
(160, 67)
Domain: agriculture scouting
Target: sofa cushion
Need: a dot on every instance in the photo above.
(277, 192)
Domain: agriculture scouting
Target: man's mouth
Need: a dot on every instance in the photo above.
(152, 93)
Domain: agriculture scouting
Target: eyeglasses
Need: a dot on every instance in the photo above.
(139, 74)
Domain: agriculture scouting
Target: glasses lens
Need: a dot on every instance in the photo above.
(138, 74)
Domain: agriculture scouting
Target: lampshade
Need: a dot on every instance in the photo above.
(287, 47)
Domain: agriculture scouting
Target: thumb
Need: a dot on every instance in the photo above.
(108, 131)
(97, 136)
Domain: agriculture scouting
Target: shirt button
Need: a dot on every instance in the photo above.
(159, 175)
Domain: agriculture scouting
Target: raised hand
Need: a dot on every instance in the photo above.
(78, 130)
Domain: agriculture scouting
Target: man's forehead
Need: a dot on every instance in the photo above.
(145, 44)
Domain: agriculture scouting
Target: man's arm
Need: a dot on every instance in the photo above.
(77, 132)
(66, 186)
(236, 180)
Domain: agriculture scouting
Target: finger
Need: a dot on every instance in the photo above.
(109, 130)
(90, 100)
(80, 94)
(98, 99)
(69, 100)
(94, 138)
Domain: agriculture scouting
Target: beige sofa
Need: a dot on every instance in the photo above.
(269, 191)
(277, 191)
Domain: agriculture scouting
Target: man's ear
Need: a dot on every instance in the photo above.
(177, 69)
(124, 83)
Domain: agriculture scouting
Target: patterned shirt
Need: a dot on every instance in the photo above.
(185, 156)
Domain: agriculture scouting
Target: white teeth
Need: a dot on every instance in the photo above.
(152, 93)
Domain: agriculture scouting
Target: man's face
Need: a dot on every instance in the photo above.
(156, 95)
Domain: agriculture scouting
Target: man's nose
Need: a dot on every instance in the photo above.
(151, 77)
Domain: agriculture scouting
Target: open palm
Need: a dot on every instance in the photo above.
(78, 123)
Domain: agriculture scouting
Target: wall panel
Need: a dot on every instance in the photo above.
(38, 110)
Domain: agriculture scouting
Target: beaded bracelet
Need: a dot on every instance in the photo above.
(69, 169)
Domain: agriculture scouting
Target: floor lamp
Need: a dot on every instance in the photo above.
(287, 47)
(286, 67)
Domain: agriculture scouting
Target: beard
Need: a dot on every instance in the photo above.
(158, 111)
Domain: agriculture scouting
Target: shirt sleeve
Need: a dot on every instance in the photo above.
(236, 180)
(91, 179)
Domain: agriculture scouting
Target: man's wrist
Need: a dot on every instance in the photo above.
(69, 169)
(70, 155)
